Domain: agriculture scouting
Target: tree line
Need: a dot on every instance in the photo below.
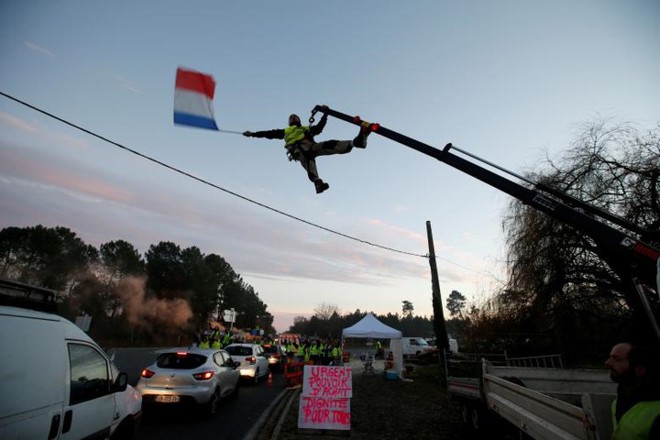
(160, 297)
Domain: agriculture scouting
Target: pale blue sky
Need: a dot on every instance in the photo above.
(505, 80)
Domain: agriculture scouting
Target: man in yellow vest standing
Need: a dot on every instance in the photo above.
(636, 409)
(300, 145)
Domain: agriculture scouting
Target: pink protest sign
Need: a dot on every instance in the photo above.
(324, 413)
(325, 401)
(322, 381)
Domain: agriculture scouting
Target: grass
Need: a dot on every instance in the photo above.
(390, 410)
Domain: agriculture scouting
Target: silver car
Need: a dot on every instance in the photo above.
(252, 359)
(189, 376)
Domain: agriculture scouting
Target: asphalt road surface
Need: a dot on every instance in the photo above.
(234, 420)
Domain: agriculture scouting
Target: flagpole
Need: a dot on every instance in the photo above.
(230, 131)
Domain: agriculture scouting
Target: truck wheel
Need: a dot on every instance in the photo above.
(476, 420)
(465, 414)
(472, 417)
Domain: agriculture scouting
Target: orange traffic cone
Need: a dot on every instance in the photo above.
(269, 382)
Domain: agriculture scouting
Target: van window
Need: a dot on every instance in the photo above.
(89, 374)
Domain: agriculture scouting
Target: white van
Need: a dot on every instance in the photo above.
(414, 346)
(57, 383)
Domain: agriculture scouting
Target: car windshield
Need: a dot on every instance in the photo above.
(180, 361)
(271, 348)
(239, 350)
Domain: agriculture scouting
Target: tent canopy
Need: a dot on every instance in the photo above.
(370, 327)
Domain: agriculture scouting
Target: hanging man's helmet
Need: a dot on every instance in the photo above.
(294, 120)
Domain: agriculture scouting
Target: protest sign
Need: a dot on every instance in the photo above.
(325, 400)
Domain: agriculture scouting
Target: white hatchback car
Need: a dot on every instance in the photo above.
(253, 362)
(198, 376)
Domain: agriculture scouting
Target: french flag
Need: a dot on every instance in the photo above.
(193, 99)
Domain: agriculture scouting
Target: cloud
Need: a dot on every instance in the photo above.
(16, 123)
(34, 129)
(39, 50)
(48, 174)
(120, 81)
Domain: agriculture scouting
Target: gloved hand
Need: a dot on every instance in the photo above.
(247, 133)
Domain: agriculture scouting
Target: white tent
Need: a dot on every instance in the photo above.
(370, 327)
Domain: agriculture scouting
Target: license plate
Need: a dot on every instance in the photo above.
(167, 399)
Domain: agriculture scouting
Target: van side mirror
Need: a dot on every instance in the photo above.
(120, 383)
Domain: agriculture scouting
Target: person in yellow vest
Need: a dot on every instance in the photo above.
(204, 343)
(636, 409)
(215, 343)
(290, 351)
(315, 352)
(335, 353)
(308, 353)
(300, 353)
(300, 145)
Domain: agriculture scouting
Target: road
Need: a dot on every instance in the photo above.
(235, 417)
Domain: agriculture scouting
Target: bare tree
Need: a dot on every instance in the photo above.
(324, 311)
(558, 280)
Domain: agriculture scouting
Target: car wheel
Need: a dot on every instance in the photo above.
(125, 431)
(234, 393)
(212, 405)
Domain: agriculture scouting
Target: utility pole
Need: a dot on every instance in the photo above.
(438, 314)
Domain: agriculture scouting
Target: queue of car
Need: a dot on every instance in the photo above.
(82, 393)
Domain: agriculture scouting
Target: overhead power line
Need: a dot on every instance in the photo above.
(206, 182)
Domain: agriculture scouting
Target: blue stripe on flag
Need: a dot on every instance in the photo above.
(195, 121)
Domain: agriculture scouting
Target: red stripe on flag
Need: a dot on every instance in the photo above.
(195, 82)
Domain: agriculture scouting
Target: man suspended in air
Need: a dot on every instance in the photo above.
(300, 145)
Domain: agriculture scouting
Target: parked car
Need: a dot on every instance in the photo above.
(276, 356)
(58, 383)
(253, 362)
(414, 346)
(192, 376)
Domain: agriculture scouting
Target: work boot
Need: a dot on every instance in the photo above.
(320, 186)
(360, 140)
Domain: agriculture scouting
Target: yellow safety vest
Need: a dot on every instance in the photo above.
(294, 134)
(636, 422)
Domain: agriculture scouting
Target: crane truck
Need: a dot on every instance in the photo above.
(548, 403)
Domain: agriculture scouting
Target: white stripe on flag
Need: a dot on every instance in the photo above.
(193, 103)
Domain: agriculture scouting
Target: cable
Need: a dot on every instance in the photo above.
(205, 182)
